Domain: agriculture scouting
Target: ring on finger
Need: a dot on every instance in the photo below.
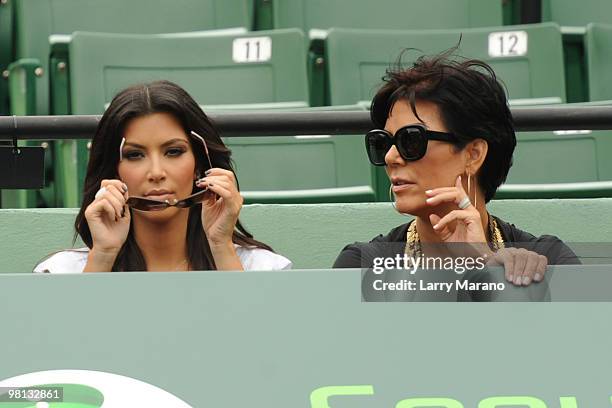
(465, 203)
(100, 192)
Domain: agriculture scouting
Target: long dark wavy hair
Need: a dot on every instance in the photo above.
(137, 101)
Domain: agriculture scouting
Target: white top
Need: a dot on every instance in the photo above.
(252, 259)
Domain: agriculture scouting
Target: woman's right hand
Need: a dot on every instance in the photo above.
(108, 217)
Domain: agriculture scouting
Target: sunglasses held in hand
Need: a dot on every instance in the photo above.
(411, 142)
(147, 204)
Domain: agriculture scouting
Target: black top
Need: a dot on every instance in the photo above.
(361, 254)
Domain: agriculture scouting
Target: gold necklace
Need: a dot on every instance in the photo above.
(413, 242)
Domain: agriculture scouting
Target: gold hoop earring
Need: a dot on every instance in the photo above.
(392, 197)
(470, 192)
(469, 185)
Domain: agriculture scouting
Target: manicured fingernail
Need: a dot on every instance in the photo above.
(509, 278)
(517, 280)
(207, 172)
(125, 189)
(429, 200)
(537, 277)
(428, 191)
(436, 226)
(525, 280)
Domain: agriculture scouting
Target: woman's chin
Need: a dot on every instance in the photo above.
(159, 216)
(412, 206)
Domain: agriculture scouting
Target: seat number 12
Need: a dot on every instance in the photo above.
(508, 44)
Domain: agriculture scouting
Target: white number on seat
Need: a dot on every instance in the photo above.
(508, 44)
(252, 49)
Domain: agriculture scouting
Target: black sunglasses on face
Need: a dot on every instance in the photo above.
(410, 140)
(147, 204)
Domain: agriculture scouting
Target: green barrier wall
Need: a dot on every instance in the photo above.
(312, 235)
(270, 339)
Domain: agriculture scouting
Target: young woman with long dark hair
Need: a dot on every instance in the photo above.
(160, 193)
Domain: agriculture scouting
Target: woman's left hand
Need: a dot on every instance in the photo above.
(521, 266)
(220, 210)
(460, 225)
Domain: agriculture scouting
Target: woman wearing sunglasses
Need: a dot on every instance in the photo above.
(446, 139)
(160, 193)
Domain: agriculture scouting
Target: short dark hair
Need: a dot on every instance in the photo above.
(471, 100)
(138, 101)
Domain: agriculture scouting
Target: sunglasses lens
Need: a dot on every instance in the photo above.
(378, 144)
(194, 199)
(143, 204)
(411, 143)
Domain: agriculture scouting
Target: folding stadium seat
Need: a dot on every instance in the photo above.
(560, 164)
(303, 169)
(573, 16)
(577, 13)
(528, 58)
(397, 14)
(598, 46)
(216, 67)
(314, 17)
(36, 20)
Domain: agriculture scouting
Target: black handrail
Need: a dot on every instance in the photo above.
(301, 123)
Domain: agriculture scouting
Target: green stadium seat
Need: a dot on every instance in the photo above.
(577, 13)
(583, 190)
(315, 17)
(310, 235)
(572, 156)
(573, 16)
(598, 46)
(303, 169)
(577, 158)
(569, 156)
(537, 73)
(204, 63)
(398, 14)
(560, 164)
(36, 20)
(217, 68)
